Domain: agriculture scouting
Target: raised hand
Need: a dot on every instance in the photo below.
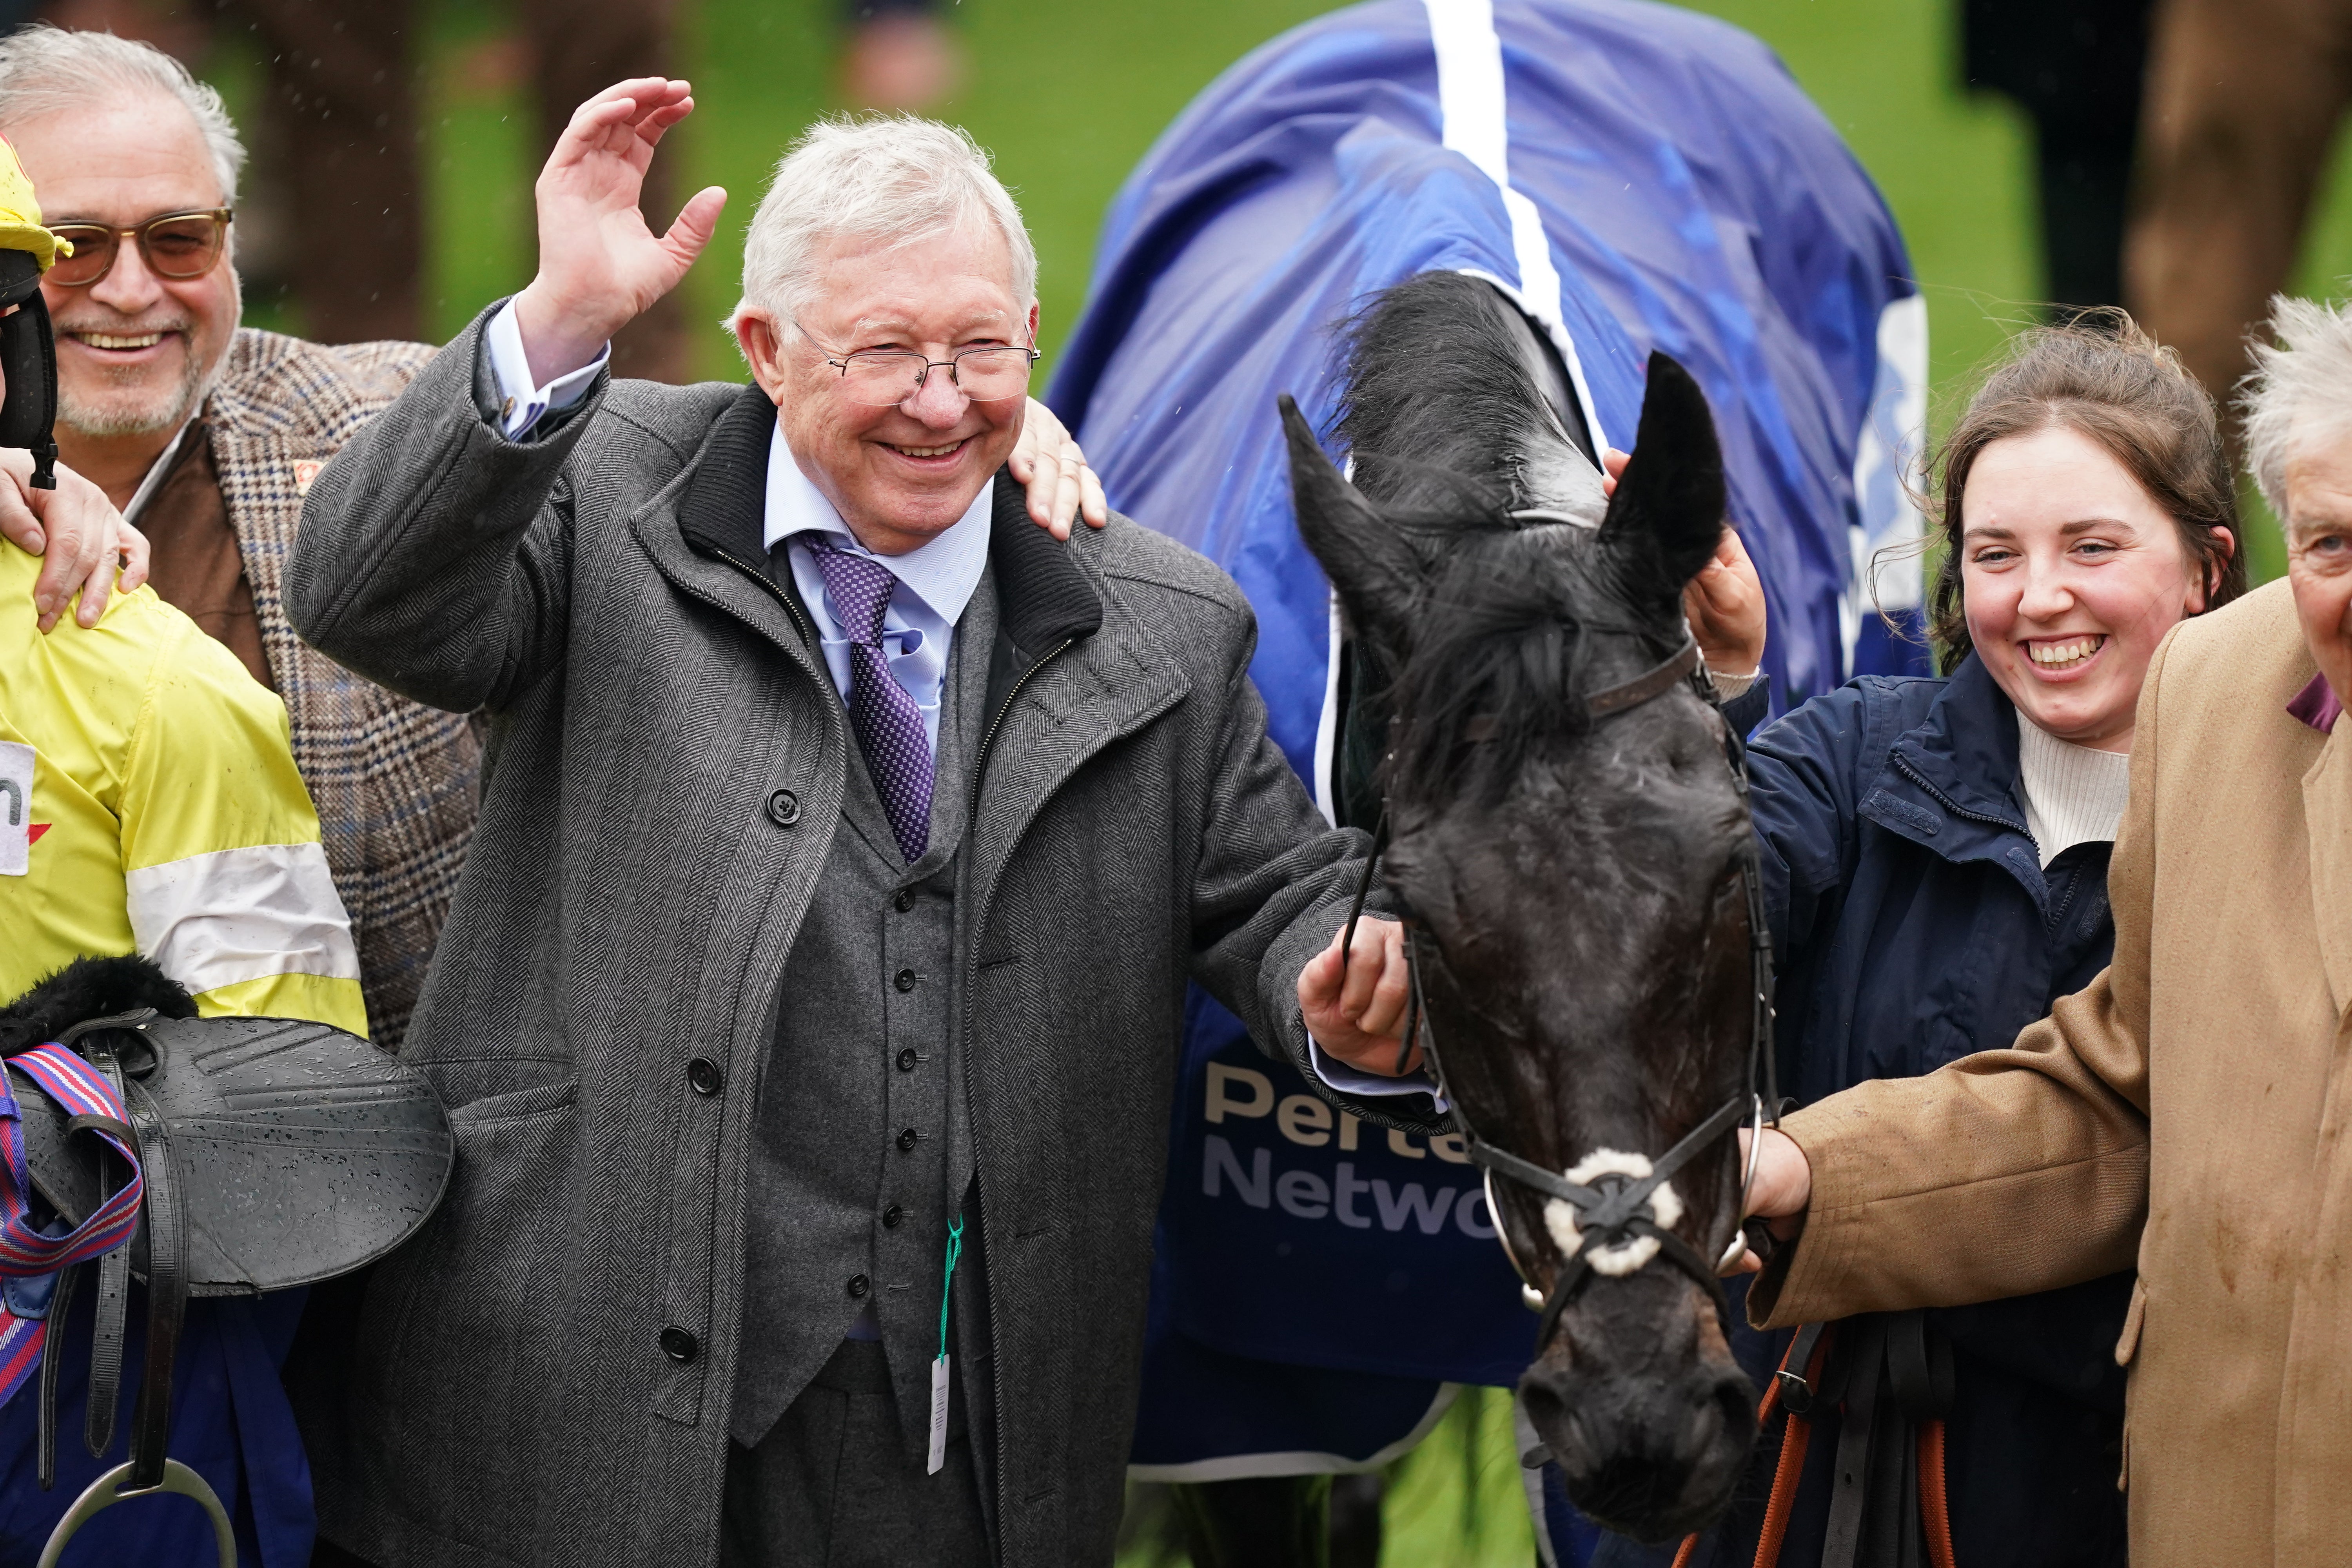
(600, 266)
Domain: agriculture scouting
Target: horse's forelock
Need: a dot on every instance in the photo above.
(1501, 639)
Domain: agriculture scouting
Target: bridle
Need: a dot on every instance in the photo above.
(1614, 1210)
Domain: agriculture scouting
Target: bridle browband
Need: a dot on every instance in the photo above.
(1615, 1209)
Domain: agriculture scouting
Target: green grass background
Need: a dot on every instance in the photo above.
(1069, 93)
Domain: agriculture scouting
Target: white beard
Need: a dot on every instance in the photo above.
(130, 409)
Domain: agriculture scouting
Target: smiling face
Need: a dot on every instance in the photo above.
(2319, 555)
(2072, 574)
(901, 475)
(134, 351)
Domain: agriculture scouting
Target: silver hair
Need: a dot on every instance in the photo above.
(46, 70)
(2301, 388)
(891, 179)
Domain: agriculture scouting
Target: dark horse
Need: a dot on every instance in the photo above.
(1574, 882)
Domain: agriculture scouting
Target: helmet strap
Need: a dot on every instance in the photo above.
(28, 356)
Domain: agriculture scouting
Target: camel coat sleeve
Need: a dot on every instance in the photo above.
(2005, 1172)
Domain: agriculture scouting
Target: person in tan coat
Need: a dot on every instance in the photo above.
(2187, 1113)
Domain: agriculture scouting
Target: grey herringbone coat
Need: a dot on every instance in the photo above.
(394, 781)
(666, 771)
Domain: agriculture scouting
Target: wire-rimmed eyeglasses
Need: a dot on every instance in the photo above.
(880, 378)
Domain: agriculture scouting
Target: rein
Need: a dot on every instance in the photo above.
(1616, 1208)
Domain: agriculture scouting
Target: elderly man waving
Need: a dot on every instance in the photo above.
(808, 1008)
(2186, 1113)
(206, 433)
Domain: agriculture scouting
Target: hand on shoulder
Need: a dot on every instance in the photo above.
(81, 539)
(1061, 486)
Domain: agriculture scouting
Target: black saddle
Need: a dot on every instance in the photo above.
(275, 1152)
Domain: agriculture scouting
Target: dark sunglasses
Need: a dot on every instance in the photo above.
(178, 246)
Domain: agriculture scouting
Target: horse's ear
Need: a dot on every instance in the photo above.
(1372, 567)
(1666, 517)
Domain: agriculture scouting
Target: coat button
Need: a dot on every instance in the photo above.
(702, 1076)
(905, 981)
(678, 1345)
(892, 1216)
(857, 1284)
(907, 1059)
(906, 1139)
(904, 901)
(783, 808)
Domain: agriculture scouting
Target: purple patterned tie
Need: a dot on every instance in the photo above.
(889, 725)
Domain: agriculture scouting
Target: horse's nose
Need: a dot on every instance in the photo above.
(1652, 1458)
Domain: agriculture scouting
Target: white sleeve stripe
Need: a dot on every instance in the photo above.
(235, 915)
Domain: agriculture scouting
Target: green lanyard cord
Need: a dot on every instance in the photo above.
(955, 1250)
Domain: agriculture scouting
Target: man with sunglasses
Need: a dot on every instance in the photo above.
(809, 1013)
(207, 436)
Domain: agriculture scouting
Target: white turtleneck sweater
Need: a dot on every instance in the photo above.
(2074, 795)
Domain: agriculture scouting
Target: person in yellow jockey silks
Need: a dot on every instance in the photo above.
(149, 803)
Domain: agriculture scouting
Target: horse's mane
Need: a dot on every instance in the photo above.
(1438, 411)
(1436, 405)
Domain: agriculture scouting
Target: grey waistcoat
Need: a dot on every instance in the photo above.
(851, 1186)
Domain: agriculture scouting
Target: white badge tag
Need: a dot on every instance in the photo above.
(938, 1417)
(16, 808)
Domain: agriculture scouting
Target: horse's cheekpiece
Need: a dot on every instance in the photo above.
(208, 1157)
(1613, 1214)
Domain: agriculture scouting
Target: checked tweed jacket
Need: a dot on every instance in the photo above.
(394, 781)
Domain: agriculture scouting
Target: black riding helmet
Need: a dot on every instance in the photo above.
(28, 352)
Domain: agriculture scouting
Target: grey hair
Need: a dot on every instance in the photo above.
(891, 179)
(2302, 387)
(44, 69)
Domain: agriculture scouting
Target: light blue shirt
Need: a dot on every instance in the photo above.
(524, 403)
(935, 582)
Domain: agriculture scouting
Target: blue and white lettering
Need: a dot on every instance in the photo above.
(1250, 1185)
